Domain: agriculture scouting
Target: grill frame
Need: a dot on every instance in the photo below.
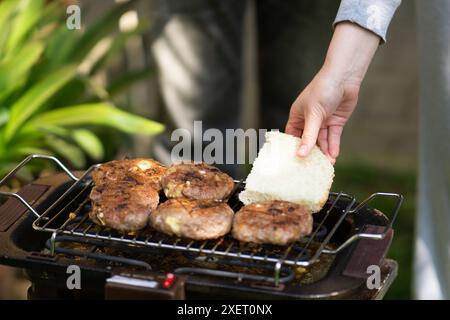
(44, 220)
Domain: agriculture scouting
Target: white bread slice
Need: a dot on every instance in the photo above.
(279, 174)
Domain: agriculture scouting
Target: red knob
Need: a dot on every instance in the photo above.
(167, 284)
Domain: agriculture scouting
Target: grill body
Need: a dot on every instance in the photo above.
(332, 263)
(22, 246)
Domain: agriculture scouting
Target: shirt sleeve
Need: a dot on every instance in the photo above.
(374, 15)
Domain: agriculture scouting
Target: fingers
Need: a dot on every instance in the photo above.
(313, 123)
(322, 140)
(295, 124)
(294, 129)
(323, 143)
(334, 140)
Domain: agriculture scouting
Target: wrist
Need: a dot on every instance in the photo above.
(336, 80)
(350, 52)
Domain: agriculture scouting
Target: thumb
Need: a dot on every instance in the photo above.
(313, 121)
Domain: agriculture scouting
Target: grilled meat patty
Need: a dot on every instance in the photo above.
(276, 222)
(194, 219)
(196, 181)
(125, 192)
(123, 207)
(131, 171)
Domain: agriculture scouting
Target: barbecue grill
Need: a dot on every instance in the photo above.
(44, 228)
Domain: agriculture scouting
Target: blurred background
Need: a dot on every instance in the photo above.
(97, 93)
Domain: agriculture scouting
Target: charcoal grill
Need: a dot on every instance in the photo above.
(45, 226)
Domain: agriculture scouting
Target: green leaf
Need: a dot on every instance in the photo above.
(102, 27)
(67, 150)
(74, 91)
(97, 114)
(14, 71)
(59, 44)
(52, 30)
(55, 130)
(29, 13)
(129, 79)
(7, 8)
(32, 140)
(89, 143)
(4, 116)
(84, 138)
(53, 13)
(26, 151)
(35, 98)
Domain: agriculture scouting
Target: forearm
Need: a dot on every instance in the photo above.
(320, 112)
(327, 102)
(350, 52)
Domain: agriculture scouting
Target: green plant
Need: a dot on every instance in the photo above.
(47, 105)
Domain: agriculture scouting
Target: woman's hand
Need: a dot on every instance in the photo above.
(320, 112)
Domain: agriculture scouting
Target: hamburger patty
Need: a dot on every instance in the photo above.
(196, 181)
(131, 171)
(194, 219)
(276, 222)
(125, 192)
(123, 207)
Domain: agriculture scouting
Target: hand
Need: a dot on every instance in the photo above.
(320, 113)
(322, 109)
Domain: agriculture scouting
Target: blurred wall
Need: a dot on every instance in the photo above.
(383, 129)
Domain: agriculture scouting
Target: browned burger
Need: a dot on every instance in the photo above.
(122, 207)
(196, 181)
(275, 222)
(125, 192)
(194, 219)
(131, 171)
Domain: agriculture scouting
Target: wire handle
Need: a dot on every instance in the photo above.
(24, 162)
(366, 235)
(382, 194)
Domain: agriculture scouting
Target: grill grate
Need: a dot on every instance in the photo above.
(69, 216)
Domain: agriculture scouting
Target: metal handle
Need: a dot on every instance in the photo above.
(24, 202)
(13, 172)
(373, 236)
(51, 245)
(383, 194)
(239, 276)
